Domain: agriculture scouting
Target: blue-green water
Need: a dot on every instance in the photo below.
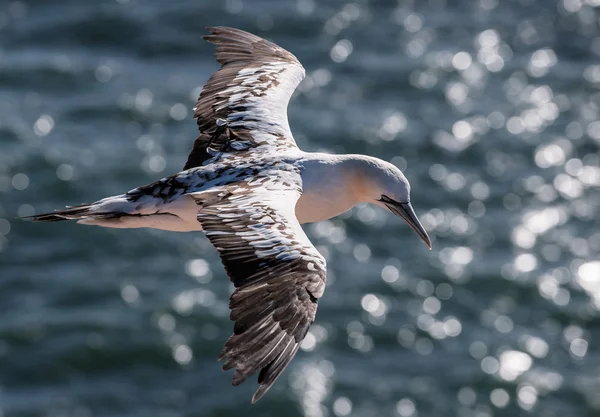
(491, 107)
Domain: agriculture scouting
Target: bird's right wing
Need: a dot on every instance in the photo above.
(243, 106)
(278, 275)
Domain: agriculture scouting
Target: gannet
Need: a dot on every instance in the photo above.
(248, 187)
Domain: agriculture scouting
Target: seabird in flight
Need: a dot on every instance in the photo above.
(248, 187)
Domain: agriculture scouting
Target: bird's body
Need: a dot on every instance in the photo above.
(248, 187)
(327, 186)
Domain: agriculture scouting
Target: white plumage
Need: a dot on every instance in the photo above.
(248, 187)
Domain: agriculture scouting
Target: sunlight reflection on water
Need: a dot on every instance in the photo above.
(491, 108)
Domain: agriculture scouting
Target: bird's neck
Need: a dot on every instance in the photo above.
(331, 185)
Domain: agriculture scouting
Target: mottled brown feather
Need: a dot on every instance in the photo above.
(236, 50)
(276, 294)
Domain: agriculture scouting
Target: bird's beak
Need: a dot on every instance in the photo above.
(406, 211)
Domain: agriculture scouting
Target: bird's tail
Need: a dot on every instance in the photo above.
(80, 212)
(127, 212)
(107, 212)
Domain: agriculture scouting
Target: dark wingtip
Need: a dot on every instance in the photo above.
(213, 30)
(259, 393)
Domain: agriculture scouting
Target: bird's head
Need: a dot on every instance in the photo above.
(387, 187)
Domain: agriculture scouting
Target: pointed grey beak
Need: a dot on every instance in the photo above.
(406, 211)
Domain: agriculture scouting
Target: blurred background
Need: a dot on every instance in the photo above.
(492, 109)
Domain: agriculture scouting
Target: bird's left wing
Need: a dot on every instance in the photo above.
(278, 275)
(243, 106)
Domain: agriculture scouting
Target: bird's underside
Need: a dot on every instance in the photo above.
(238, 189)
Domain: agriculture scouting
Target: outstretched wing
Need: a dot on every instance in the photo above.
(278, 275)
(244, 104)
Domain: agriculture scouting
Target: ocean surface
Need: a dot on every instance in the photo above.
(491, 108)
